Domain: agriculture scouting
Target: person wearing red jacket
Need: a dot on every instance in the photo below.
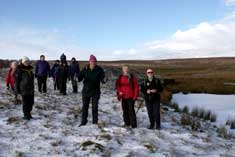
(127, 92)
(10, 80)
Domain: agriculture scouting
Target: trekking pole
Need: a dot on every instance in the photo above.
(140, 106)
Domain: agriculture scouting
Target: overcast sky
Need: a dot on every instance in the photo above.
(117, 29)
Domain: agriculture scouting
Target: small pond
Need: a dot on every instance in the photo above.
(222, 105)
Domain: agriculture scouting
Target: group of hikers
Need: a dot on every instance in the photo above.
(20, 80)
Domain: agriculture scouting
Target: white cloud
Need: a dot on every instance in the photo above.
(203, 40)
(229, 2)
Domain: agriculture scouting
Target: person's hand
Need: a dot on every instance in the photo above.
(19, 97)
(148, 91)
(8, 86)
(120, 93)
(153, 91)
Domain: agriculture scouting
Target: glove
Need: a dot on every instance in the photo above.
(8, 86)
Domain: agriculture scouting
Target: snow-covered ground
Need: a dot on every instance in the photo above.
(54, 131)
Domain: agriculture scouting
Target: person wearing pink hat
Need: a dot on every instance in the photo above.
(151, 88)
(92, 75)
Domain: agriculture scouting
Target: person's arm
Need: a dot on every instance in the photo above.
(48, 69)
(36, 70)
(80, 75)
(136, 88)
(52, 71)
(69, 71)
(143, 88)
(118, 88)
(102, 76)
(8, 79)
(78, 68)
(18, 78)
(159, 86)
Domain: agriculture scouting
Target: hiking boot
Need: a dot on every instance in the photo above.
(126, 126)
(26, 118)
(151, 127)
(133, 127)
(81, 125)
(158, 128)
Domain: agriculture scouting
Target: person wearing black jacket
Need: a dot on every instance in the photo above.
(24, 85)
(63, 76)
(54, 74)
(151, 88)
(92, 75)
(73, 72)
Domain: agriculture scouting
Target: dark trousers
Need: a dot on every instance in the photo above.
(129, 115)
(42, 84)
(56, 83)
(28, 101)
(153, 107)
(74, 84)
(63, 85)
(86, 101)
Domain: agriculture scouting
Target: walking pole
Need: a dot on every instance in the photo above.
(140, 106)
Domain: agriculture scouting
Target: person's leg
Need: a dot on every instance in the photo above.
(85, 107)
(156, 113)
(39, 84)
(54, 83)
(31, 102)
(25, 106)
(57, 83)
(15, 95)
(63, 86)
(132, 115)
(72, 81)
(95, 101)
(75, 85)
(125, 110)
(150, 110)
(44, 83)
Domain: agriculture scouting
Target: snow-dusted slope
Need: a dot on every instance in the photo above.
(54, 131)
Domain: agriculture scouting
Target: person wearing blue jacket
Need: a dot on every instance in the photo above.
(73, 73)
(42, 71)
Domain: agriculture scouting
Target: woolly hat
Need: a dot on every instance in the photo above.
(92, 58)
(24, 59)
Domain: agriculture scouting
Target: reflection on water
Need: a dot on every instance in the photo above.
(222, 105)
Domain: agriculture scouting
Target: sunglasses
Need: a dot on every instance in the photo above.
(150, 72)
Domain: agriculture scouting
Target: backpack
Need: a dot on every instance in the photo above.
(130, 79)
